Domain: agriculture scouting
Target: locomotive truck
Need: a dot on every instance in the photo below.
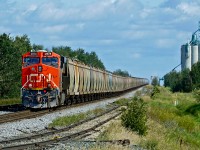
(49, 80)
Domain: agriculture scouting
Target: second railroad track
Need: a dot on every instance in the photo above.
(76, 130)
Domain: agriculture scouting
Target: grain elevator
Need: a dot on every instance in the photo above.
(190, 52)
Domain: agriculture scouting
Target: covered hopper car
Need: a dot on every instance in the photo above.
(50, 80)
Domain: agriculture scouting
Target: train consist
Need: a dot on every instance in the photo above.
(50, 80)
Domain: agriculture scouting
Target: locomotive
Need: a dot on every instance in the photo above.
(49, 80)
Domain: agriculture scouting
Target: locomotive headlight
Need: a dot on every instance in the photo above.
(33, 69)
(30, 85)
(49, 85)
(40, 68)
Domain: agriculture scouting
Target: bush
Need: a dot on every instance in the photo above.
(150, 144)
(134, 118)
(122, 102)
(147, 90)
(194, 110)
(155, 92)
(197, 95)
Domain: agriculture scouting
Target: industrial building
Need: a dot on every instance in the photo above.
(190, 52)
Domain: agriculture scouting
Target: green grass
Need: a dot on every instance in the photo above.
(193, 110)
(67, 120)
(170, 126)
(182, 120)
(149, 144)
(10, 101)
(64, 121)
(122, 102)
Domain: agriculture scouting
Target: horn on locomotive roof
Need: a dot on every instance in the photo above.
(42, 50)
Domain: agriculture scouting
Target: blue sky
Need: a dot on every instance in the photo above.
(142, 37)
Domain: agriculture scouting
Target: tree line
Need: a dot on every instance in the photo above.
(90, 59)
(184, 81)
(11, 50)
(121, 73)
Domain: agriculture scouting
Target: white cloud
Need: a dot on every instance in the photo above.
(49, 11)
(117, 26)
(152, 3)
(31, 8)
(105, 9)
(191, 9)
(20, 20)
(165, 43)
(134, 34)
(5, 29)
(146, 12)
(106, 41)
(136, 55)
(80, 25)
(55, 29)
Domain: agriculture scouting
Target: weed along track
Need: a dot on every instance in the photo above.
(71, 132)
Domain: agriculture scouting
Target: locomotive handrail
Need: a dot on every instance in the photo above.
(24, 86)
(56, 86)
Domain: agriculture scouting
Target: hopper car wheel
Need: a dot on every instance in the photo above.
(69, 101)
(83, 99)
(58, 101)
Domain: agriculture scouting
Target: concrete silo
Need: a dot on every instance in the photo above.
(190, 52)
(186, 56)
(199, 52)
(195, 54)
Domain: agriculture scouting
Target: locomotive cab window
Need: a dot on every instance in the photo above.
(50, 61)
(28, 61)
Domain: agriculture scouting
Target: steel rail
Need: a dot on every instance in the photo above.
(20, 115)
(12, 107)
(58, 130)
(26, 115)
(65, 138)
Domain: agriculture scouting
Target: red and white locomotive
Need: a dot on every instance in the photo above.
(40, 78)
(49, 80)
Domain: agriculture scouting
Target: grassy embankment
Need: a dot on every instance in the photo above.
(173, 122)
(179, 116)
(10, 101)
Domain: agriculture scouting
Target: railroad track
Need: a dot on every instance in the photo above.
(29, 113)
(80, 129)
(26, 114)
(12, 107)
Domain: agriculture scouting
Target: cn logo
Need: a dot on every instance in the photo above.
(38, 77)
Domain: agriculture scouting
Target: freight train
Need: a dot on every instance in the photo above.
(49, 80)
